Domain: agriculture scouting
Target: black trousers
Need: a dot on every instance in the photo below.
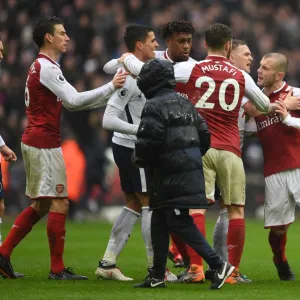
(179, 221)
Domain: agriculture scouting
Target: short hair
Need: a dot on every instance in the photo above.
(178, 26)
(217, 35)
(236, 43)
(281, 60)
(43, 26)
(135, 33)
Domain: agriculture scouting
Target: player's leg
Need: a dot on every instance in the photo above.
(160, 242)
(2, 207)
(21, 227)
(146, 233)
(281, 190)
(195, 272)
(231, 181)
(125, 222)
(178, 252)
(180, 222)
(220, 230)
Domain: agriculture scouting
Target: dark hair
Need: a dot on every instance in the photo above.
(135, 33)
(217, 35)
(43, 26)
(236, 43)
(179, 26)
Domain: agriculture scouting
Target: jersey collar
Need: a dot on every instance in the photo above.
(284, 86)
(216, 57)
(43, 55)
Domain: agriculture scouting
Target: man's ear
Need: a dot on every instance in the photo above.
(139, 46)
(49, 37)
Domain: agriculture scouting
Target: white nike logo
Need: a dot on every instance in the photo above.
(15, 226)
(223, 273)
(155, 284)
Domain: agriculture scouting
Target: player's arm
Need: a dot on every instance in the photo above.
(256, 96)
(115, 107)
(287, 119)
(133, 64)
(292, 103)
(6, 152)
(113, 65)
(203, 133)
(52, 78)
(150, 137)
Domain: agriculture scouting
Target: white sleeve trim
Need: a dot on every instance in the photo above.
(52, 78)
(2, 143)
(112, 66)
(255, 95)
(111, 121)
(292, 121)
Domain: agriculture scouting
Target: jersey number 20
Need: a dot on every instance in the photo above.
(203, 101)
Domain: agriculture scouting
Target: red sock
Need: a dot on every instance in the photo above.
(278, 244)
(22, 226)
(180, 245)
(235, 241)
(199, 221)
(56, 236)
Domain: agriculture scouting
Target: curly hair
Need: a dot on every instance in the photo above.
(179, 26)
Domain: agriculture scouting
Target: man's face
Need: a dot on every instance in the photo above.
(179, 46)
(59, 38)
(149, 46)
(267, 72)
(241, 57)
(1, 51)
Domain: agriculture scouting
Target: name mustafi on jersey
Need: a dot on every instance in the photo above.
(217, 67)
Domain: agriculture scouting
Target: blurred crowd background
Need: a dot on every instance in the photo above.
(96, 30)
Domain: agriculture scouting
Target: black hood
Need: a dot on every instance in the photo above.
(156, 75)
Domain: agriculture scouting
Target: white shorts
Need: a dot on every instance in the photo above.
(45, 172)
(282, 193)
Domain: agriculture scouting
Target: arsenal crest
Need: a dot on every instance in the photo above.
(60, 188)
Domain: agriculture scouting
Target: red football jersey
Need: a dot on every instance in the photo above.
(43, 108)
(280, 143)
(216, 88)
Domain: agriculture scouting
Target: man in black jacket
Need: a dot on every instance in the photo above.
(171, 139)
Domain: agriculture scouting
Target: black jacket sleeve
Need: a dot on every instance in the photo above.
(150, 136)
(204, 134)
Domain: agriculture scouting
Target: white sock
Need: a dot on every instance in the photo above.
(146, 232)
(0, 231)
(119, 235)
(220, 235)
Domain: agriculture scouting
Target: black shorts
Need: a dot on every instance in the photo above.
(133, 179)
(1, 185)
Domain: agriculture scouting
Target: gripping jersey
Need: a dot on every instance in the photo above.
(216, 88)
(280, 143)
(131, 101)
(43, 108)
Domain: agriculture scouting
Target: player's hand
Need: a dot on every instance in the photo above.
(119, 79)
(8, 154)
(291, 102)
(280, 108)
(122, 58)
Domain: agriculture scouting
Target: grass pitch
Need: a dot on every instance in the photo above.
(86, 243)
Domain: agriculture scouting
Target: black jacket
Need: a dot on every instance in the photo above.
(171, 139)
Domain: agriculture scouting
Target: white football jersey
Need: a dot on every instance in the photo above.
(131, 101)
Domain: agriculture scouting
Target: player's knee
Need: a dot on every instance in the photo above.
(197, 211)
(279, 231)
(42, 207)
(2, 207)
(133, 202)
(60, 206)
(235, 212)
